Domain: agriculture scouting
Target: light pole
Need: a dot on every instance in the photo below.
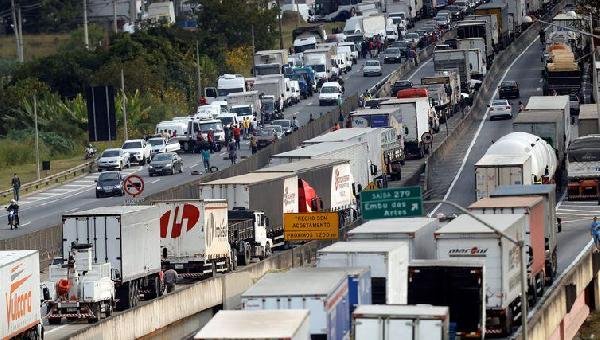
(86, 36)
(517, 242)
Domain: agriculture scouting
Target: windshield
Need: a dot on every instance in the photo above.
(372, 63)
(319, 68)
(329, 89)
(302, 48)
(354, 38)
(155, 142)
(242, 111)
(162, 157)
(205, 127)
(412, 36)
(262, 70)
(132, 145)
(392, 51)
(226, 120)
(111, 153)
(225, 92)
(282, 123)
(499, 102)
(265, 132)
(391, 32)
(109, 176)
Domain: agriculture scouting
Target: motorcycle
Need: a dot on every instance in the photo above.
(12, 219)
(90, 152)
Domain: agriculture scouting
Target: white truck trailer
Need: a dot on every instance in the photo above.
(244, 104)
(477, 57)
(418, 231)
(246, 194)
(465, 237)
(544, 103)
(454, 59)
(127, 237)
(270, 62)
(20, 316)
(388, 262)
(291, 324)
(390, 322)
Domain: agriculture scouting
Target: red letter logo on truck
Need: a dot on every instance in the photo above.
(176, 217)
(18, 300)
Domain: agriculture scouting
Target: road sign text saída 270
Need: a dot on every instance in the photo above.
(390, 203)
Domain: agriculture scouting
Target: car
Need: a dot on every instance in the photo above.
(109, 183)
(139, 150)
(574, 103)
(277, 128)
(229, 118)
(331, 93)
(160, 145)
(372, 68)
(112, 159)
(392, 54)
(265, 136)
(400, 85)
(500, 108)
(413, 38)
(403, 45)
(165, 163)
(442, 20)
(286, 125)
(508, 89)
(455, 11)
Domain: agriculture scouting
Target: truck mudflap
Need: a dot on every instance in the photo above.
(500, 322)
(585, 189)
(79, 316)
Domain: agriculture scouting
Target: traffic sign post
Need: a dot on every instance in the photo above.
(390, 203)
(311, 226)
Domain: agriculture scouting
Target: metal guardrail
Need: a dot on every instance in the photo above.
(53, 179)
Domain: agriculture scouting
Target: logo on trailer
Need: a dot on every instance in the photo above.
(468, 252)
(19, 300)
(341, 181)
(176, 218)
(288, 197)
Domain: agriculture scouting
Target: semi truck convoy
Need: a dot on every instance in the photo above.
(20, 316)
(478, 29)
(451, 81)
(454, 59)
(505, 26)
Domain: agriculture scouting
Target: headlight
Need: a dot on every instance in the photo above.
(118, 186)
(150, 166)
(98, 188)
(168, 165)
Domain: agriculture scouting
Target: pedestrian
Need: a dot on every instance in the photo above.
(237, 135)
(295, 124)
(211, 139)
(310, 118)
(521, 107)
(16, 185)
(246, 127)
(170, 279)
(232, 148)
(206, 159)
(595, 231)
(253, 144)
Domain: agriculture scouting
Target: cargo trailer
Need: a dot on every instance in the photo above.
(454, 59)
(548, 125)
(418, 231)
(545, 103)
(387, 260)
(588, 120)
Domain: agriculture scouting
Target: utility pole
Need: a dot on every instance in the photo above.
(37, 145)
(280, 25)
(114, 3)
(132, 12)
(21, 53)
(15, 27)
(124, 105)
(198, 73)
(253, 51)
(86, 37)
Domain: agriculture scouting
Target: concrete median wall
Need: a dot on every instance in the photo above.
(222, 290)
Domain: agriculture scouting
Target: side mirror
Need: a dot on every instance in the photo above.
(559, 224)
(46, 293)
(95, 181)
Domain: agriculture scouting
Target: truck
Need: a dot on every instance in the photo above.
(354, 25)
(211, 242)
(560, 103)
(244, 104)
(127, 238)
(393, 149)
(292, 324)
(355, 152)
(327, 10)
(548, 125)
(387, 322)
(477, 56)
(588, 120)
(387, 260)
(20, 316)
(458, 284)
(533, 208)
(451, 81)
(274, 87)
(374, 25)
(517, 158)
(418, 231)
(552, 225)
(454, 59)
(478, 29)
(320, 61)
(186, 130)
(324, 294)
(562, 74)
(245, 194)
(465, 237)
(500, 11)
(517, 9)
(78, 288)
(270, 62)
(414, 114)
(380, 140)
(583, 161)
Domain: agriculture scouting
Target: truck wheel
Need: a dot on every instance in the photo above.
(214, 269)
(244, 259)
(233, 262)
(268, 250)
(109, 308)
(154, 289)
(54, 321)
(95, 309)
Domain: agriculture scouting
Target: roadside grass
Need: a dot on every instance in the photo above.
(35, 45)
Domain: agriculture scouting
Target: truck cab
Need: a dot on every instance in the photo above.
(248, 234)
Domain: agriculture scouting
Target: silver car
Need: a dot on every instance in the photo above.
(113, 159)
(500, 108)
(372, 68)
(392, 55)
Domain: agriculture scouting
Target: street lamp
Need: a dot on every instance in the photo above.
(518, 243)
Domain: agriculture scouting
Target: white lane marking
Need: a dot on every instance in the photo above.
(155, 181)
(193, 166)
(75, 185)
(464, 161)
(49, 194)
(419, 69)
(26, 224)
(55, 329)
(577, 220)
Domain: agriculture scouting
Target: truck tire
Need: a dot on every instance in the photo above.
(54, 321)
(124, 296)
(109, 308)
(233, 261)
(154, 288)
(95, 309)
(244, 259)
(214, 271)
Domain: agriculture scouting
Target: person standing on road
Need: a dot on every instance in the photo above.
(310, 118)
(206, 159)
(237, 135)
(295, 124)
(170, 279)
(253, 144)
(16, 186)
(232, 148)
(246, 128)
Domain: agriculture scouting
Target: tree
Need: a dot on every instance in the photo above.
(239, 60)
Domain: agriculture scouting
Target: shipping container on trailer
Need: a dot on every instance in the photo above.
(20, 316)
(545, 103)
(465, 237)
(500, 11)
(291, 324)
(391, 322)
(417, 230)
(454, 59)
(355, 152)
(127, 237)
(387, 260)
(324, 294)
(459, 284)
(533, 208)
(548, 125)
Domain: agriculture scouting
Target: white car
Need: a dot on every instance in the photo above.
(500, 108)
(372, 68)
(331, 93)
(139, 150)
(113, 159)
(161, 145)
(295, 89)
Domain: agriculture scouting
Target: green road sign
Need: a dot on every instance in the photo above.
(390, 203)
